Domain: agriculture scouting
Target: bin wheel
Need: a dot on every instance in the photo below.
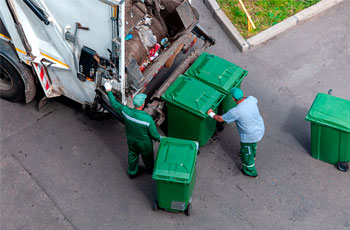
(342, 166)
(188, 209)
(155, 206)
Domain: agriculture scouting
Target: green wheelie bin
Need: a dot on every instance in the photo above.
(175, 174)
(187, 101)
(219, 74)
(330, 130)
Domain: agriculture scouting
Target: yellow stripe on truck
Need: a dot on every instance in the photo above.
(54, 59)
(2, 35)
(21, 51)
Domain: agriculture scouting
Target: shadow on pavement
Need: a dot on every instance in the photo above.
(298, 127)
(144, 183)
(231, 147)
(111, 132)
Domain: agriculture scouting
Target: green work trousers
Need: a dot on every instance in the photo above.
(248, 153)
(136, 147)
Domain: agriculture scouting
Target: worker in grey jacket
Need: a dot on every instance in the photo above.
(250, 126)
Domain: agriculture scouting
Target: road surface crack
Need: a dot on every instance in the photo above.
(47, 114)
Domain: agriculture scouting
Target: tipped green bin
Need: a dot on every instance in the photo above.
(175, 173)
(330, 130)
(188, 101)
(219, 74)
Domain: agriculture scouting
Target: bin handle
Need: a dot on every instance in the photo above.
(218, 101)
(244, 73)
(230, 73)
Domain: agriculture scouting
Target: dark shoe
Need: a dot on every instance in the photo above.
(245, 174)
(146, 170)
(131, 177)
(149, 171)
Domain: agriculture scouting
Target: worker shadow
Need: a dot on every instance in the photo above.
(298, 127)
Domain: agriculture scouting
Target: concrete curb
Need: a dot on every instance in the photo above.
(231, 30)
(272, 32)
(246, 45)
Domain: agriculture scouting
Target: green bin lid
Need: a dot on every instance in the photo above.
(330, 111)
(216, 72)
(192, 95)
(176, 160)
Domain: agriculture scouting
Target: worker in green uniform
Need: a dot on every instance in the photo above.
(140, 130)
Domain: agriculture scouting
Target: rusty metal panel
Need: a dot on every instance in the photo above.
(186, 14)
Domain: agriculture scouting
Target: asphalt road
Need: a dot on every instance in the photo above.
(61, 170)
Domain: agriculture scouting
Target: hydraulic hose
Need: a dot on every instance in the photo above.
(37, 11)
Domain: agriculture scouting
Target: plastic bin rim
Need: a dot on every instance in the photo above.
(199, 114)
(220, 89)
(174, 179)
(188, 110)
(188, 181)
(324, 122)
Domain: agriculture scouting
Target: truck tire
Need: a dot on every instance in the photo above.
(11, 83)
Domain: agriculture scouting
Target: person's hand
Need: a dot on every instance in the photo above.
(209, 111)
(108, 86)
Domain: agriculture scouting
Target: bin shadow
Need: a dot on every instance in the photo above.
(298, 127)
(146, 185)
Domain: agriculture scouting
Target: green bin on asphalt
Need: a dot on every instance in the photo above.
(188, 101)
(175, 173)
(330, 130)
(219, 74)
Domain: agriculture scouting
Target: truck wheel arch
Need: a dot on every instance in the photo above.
(9, 56)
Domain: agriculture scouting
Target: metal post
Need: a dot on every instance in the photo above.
(122, 52)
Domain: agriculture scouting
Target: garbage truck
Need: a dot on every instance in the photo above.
(70, 48)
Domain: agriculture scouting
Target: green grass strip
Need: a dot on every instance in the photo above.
(264, 13)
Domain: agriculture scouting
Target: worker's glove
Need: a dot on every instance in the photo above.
(108, 86)
(211, 113)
